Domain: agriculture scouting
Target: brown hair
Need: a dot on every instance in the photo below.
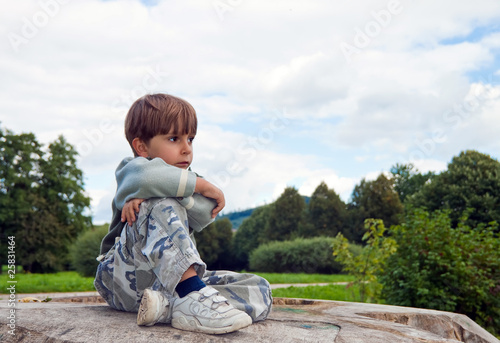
(159, 114)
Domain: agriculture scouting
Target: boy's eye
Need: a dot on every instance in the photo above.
(191, 139)
(172, 139)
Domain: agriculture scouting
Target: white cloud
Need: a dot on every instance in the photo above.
(78, 73)
(341, 185)
(425, 166)
(223, 109)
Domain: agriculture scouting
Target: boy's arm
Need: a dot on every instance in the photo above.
(208, 190)
(142, 178)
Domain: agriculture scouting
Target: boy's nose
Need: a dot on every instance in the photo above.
(187, 148)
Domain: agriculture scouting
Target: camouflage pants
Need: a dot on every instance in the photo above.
(156, 251)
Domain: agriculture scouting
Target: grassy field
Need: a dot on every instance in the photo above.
(72, 282)
(45, 283)
(305, 278)
(329, 292)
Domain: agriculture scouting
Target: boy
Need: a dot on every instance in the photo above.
(150, 264)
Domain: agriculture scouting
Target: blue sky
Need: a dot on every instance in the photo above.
(288, 93)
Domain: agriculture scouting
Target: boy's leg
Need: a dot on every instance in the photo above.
(116, 275)
(246, 292)
(165, 243)
(193, 307)
(154, 253)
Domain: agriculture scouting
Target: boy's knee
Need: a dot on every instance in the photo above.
(162, 206)
(156, 201)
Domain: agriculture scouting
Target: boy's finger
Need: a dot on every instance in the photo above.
(217, 209)
(137, 204)
(131, 219)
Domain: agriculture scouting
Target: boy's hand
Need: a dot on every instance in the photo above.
(208, 190)
(129, 210)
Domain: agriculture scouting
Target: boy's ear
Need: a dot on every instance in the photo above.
(140, 147)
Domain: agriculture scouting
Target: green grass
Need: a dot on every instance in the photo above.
(330, 292)
(73, 282)
(305, 278)
(47, 283)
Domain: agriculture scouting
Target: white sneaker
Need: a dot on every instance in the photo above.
(153, 308)
(208, 312)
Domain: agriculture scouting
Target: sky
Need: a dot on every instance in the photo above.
(288, 93)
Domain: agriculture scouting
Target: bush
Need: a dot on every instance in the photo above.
(84, 251)
(442, 268)
(369, 262)
(313, 255)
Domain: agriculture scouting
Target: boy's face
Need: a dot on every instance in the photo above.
(176, 150)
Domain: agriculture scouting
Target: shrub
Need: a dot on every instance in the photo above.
(84, 251)
(444, 268)
(313, 255)
(369, 262)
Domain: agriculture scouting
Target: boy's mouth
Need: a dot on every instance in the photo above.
(182, 164)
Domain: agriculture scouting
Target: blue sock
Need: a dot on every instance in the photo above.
(189, 285)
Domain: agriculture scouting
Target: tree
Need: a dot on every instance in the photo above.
(19, 177)
(440, 267)
(62, 184)
(214, 244)
(250, 235)
(327, 212)
(42, 198)
(366, 266)
(373, 199)
(472, 181)
(408, 180)
(286, 216)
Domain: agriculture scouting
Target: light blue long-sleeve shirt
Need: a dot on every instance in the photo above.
(144, 178)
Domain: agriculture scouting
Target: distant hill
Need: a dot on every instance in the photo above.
(237, 217)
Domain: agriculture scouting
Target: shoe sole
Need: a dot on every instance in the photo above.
(191, 324)
(146, 303)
